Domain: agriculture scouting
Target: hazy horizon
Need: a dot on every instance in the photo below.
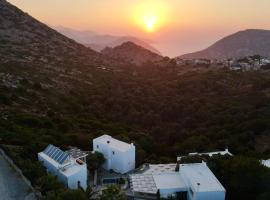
(180, 26)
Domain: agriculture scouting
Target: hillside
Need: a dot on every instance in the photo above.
(69, 103)
(24, 39)
(67, 94)
(131, 53)
(241, 44)
(98, 41)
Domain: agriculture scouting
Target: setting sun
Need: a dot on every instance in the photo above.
(150, 23)
(151, 15)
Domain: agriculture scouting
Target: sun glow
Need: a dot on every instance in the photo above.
(150, 23)
(151, 15)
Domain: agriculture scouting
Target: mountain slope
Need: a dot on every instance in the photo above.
(99, 42)
(165, 113)
(25, 39)
(131, 53)
(240, 44)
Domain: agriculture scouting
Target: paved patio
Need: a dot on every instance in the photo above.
(12, 187)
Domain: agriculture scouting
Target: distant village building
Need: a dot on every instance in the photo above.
(69, 167)
(191, 182)
(265, 61)
(202, 61)
(119, 156)
(235, 67)
(248, 63)
(193, 62)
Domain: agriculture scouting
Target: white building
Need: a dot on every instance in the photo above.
(214, 153)
(266, 163)
(191, 182)
(202, 61)
(202, 183)
(265, 61)
(120, 156)
(69, 167)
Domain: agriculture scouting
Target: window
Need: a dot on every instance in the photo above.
(97, 146)
(113, 152)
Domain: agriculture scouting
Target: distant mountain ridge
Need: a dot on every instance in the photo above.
(98, 41)
(241, 44)
(131, 53)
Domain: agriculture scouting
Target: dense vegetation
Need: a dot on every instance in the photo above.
(164, 112)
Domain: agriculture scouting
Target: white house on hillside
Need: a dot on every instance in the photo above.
(69, 167)
(120, 156)
(214, 153)
(202, 183)
(191, 182)
(266, 163)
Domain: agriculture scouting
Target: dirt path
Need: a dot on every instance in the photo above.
(12, 187)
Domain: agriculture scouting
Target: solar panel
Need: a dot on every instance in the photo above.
(47, 149)
(56, 154)
(60, 157)
(50, 148)
(63, 159)
(51, 151)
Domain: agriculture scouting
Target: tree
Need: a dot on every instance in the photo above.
(73, 195)
(90, 193)
(66, 195)
(95, 161)
(112, 192)
(243, 177)
(264, 196)
(49, 183)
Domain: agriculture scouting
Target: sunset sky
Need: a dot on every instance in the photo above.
(174, 26)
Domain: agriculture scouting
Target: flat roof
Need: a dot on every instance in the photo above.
(73, 169)
(169, 181)
(143, 183)
(196, 176)
(154, 177)
(200, 177)
(76, 153)
(114, 143)
(159, 168)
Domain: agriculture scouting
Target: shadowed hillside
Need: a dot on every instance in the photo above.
(131, 53)
(53, 90)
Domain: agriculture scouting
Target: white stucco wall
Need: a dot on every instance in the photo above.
(119, 161)
(80, 176)
(70, 181)
(218, 195)
(165, 193)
